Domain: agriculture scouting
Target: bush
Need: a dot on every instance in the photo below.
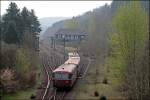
(102, 97)
(8, 80)
(105, 81)
(8, 55)
(96, 93)
(32, 96)
(25, 68)
(18, 66)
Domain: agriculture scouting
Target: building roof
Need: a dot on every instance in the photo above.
(70, 32)
(65, 68)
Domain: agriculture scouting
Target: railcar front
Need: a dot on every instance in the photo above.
(65, 76)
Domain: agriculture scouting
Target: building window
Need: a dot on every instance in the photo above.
(70, 37)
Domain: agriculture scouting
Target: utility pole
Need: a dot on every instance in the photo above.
(54, 42)
(80, 38)
(64, 45)
(51, 42)
(149, 61)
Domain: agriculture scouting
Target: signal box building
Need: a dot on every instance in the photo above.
(70, 35)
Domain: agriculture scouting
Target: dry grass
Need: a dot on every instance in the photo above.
(85, 88)
(20, 95)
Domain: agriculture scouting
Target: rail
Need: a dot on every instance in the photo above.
(48, 78)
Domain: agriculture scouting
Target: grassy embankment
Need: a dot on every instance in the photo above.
(25, 94)
(94, 81)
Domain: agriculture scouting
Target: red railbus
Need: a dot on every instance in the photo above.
(66, 74)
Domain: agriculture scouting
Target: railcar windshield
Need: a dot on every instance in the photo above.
(61, 76)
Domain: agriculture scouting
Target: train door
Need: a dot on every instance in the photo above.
(74, 76)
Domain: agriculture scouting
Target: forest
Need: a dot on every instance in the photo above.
(118, 37)
(19, 46)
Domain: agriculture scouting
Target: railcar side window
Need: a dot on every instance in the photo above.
(61, 76)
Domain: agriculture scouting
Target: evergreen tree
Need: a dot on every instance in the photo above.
(35, 25)
(25, 23)
(30, 21)
(25, 18)
(0, 30)
(11, 20)
(31, 25)
(15, 23)
(11, 35)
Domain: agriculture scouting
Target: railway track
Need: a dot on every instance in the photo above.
(49, 63)
(85, 63)
(56, 95)
(49, 79)
(50, 93)
(60, 95)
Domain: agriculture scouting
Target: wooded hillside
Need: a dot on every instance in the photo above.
(118, 37)
(19, 48)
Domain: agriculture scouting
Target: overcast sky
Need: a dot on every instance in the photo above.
(56, 8)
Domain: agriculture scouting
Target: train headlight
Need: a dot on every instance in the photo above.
(66, 81)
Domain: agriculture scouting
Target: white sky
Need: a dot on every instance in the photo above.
(56, 8)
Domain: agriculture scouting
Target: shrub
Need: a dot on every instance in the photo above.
(103, 97)
(96, 93)
(8, 80)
